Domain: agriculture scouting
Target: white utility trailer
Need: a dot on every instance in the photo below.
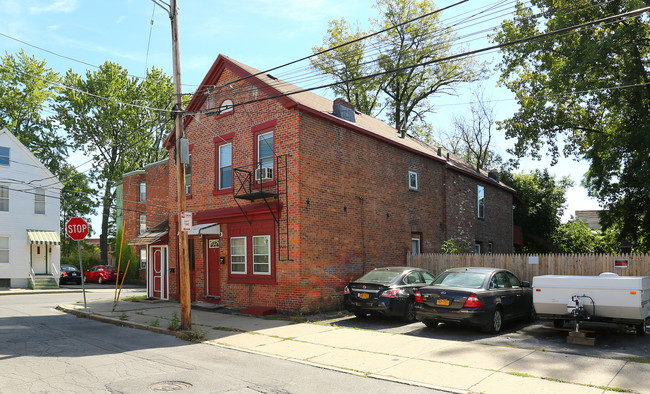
(605, 298)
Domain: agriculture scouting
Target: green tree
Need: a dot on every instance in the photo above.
(585, 94)
(27, 88)
(405, 88)
(109, 117)
(575, 237)
(456, 246)
(543, 199)
(76, 201)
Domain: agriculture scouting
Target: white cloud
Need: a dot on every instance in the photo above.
(65, 6)
(120, 19)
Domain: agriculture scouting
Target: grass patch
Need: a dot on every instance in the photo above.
(523, 375)
(135, 298)
(124, 316)
(155, 322)
(643, 360)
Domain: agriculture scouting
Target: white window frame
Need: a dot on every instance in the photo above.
(6, 158)
(267, 254)
(245, 262)
(4, 248)
(226, 106)
(39, 201)
(477, 248)
(489, 247)
(416, 240)
(188, 175)
(221, 155)
(143, 223)
(143, 192)
(480, 201)
(143, 258)
(5, 188)
(413, 180)
(266, 161)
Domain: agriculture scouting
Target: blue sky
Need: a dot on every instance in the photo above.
(260, 33)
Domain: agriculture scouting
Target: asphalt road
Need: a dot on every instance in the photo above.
(44, 350)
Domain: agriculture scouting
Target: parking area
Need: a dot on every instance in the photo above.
(612, 341)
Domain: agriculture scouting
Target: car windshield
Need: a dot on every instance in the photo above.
(472, 280)
(379, 276)
(109, 268)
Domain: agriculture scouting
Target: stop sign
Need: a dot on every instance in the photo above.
(76, 228)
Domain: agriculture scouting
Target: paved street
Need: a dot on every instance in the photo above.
(45, 350)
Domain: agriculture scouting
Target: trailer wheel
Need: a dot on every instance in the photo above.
(640, 328)
(558, 323)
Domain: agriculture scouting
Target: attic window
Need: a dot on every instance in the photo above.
(226, 106)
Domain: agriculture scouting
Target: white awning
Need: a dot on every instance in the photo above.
(43, 237)
(205, 229)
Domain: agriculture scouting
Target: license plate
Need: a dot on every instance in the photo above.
(364, 295)
(442, 301)
(74, 274)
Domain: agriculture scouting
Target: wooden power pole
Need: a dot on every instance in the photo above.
(183, 263)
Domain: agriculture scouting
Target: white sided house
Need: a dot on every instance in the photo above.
(29, 218)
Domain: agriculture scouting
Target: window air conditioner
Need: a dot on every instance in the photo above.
(263, 174)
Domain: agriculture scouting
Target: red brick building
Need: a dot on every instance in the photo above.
(295, 195)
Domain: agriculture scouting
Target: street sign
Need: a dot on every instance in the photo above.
(76, 228)
(186, 221)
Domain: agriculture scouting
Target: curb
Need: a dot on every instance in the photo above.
(22, 292)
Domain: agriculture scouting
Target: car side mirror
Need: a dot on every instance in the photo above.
(525, 283)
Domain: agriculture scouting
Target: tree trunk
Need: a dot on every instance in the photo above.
(106, 210)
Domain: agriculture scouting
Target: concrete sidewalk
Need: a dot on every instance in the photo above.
(442, 364)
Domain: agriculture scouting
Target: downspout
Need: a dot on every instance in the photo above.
(363, 237)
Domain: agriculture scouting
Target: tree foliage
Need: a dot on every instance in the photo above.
(111, 124)
(76, 201)
(576, 237)
(405, 87)
(543, 199)
(585, 94)
(472, 136)
(456, 246)
(27, 88)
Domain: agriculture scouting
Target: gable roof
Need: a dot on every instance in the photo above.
(53, 180)
(292, 96)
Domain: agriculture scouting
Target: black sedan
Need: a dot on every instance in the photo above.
(388, 291)
(481, 297)
(70, 274)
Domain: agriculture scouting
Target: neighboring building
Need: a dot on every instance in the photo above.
(294, 196)
(145, 212)
(590, 217)
(29, 217)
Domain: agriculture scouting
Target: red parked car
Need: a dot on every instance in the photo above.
(101, 274)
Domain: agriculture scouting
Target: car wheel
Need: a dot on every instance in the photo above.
(360, 315)
(532, 314)
(409, 314)
(496, 321)
(558, 323)
(100, 280)
(431, 323)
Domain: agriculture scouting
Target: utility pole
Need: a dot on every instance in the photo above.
(183, 263)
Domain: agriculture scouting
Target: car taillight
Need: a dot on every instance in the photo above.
(390, 293)
(346, 290)
(473, 302)
(64, 273)
(418, 297)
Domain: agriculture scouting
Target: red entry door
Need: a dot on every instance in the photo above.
(214, 287)
(158, 272)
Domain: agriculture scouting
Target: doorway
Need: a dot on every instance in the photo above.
(158, 273)
(213, 268)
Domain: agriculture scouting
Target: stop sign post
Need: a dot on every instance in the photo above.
(77, 229)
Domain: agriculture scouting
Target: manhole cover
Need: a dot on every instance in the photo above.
(170, 386)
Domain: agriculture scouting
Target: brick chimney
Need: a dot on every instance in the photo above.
(343, 110)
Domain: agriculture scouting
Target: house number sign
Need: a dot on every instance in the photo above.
(213, 243)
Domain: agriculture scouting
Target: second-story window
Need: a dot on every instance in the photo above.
(143, 224)
(39, 201)
(143, 192)
(413, 180)
(188, 176)
(225, 166)
(4, 198)
(480, 200)
(4, 156)
(265, 150)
